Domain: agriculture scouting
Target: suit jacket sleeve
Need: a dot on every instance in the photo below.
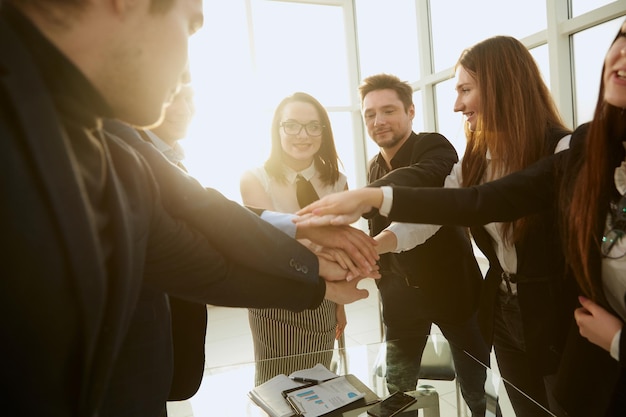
(516, 195)
(252, 263)
(434, 155)
(232, 229)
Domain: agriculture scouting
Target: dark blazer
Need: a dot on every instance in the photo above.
(232, 230)
(583, 361)
(174, 330)
(450, 289)
(586, 374)
(545, 301)
(64, 316)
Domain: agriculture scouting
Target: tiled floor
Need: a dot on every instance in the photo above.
(229, 344)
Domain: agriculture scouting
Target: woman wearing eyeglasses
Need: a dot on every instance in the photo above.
(586, 186)
(303, 165)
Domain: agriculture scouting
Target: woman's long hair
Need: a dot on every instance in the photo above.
(518, 114)
(326, 159)
(591, 191)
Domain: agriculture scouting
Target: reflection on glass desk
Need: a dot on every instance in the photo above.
(224, 390)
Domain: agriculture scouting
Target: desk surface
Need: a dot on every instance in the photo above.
(224, 390)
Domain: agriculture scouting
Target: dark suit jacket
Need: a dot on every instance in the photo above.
(236, 233)
(586, 374)
(174, 330)
(450, 289)
(64, 316)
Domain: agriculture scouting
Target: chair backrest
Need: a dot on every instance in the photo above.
(437, 363)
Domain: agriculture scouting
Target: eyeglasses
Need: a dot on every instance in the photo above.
(294, 128)
(613, 245)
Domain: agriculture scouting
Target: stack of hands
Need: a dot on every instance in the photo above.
(346, 254)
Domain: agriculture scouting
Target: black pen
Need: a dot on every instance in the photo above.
(305, 380)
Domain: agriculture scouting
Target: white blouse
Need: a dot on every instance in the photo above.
(283, 194)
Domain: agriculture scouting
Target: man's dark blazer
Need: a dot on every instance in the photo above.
(586, 374)
(444, 267)
(63, 315)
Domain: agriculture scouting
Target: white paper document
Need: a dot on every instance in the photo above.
(317, 400)
(309, 392)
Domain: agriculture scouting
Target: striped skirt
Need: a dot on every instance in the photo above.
(285, 341)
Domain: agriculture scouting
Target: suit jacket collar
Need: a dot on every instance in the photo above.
(175, 154)
(402, 158)
(72, 93)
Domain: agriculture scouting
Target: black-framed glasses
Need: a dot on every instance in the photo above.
(613, 243)
(294, 128)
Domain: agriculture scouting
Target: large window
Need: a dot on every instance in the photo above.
(252, 53)
(387, 38)
(457, 25)
(588, 57)
(583, 6)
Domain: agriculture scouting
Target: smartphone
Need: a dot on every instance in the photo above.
(391, 405)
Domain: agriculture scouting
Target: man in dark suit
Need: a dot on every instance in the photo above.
(83, 224)
(439, 280)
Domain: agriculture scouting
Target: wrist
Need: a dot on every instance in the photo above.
(384, 200)
(387, 242)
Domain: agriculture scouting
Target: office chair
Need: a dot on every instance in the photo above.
(436, 365)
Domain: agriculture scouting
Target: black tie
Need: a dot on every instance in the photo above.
(305, 192)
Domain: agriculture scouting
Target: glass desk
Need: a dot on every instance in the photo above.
(224, 390)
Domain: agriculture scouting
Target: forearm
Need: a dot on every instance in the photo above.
(238, 286)
(509, 198)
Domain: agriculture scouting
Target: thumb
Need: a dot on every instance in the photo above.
(586, 303)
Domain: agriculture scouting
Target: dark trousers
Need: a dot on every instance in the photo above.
(407, 330)
(528, 389)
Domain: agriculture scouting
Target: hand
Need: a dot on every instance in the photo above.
(342, 208)
(332, 271)
(596, 324)
(345, 292)
(342, 258)
(342, 321)
(357, 244)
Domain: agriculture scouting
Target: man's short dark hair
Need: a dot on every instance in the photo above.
(384, 82)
